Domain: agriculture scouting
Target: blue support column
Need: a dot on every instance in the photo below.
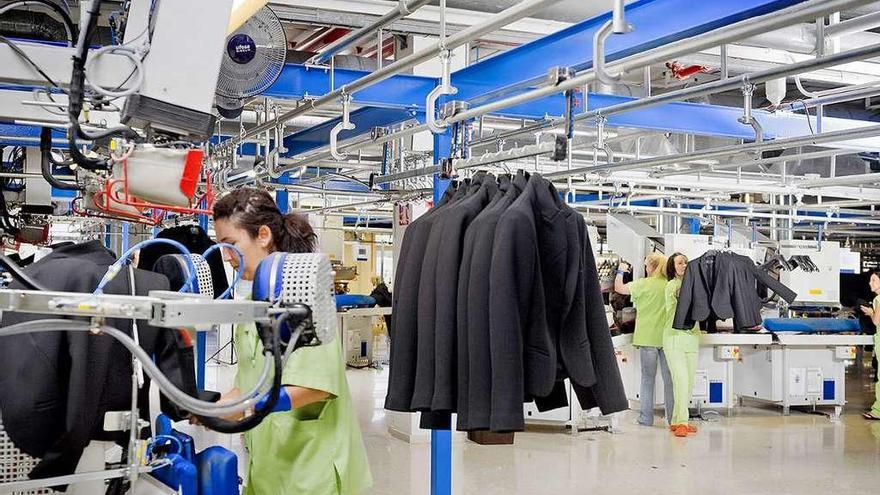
(441, 440)
(282, 196)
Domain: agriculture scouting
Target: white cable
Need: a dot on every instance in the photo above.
(132, 54)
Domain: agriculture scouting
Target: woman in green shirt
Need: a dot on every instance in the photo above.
(874, 312)
(681, 347)
(648, 297)
(314, 447)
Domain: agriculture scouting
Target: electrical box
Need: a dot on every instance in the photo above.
(727, 352)
(845, 353)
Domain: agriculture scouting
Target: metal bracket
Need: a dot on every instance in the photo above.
(447, 170)
(616, 25)
(452, 108)
(346, 125)
(556, 75)
(444, 88)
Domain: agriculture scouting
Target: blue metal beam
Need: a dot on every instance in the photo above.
(657, 22)
(28, 135)
(400, 91)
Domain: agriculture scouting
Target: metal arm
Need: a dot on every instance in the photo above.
(346, 124)
(444, 88)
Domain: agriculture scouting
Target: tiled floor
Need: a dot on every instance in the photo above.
(757, 451)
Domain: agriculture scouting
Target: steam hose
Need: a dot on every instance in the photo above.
(198, 407)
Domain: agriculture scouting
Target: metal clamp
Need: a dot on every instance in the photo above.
(748, 90)
(444, 88)
(346, 125)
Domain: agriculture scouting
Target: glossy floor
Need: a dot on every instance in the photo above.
(756, 451)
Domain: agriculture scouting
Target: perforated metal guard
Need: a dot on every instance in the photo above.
(308, 279)
(15, 465)
(203, 272)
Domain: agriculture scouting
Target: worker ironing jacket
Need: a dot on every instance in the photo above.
(682, 349)
(312, 450)
(875, 409)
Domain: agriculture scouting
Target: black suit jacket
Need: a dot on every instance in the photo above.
(474, 366)
(523, 353)
(404, 307)
(721, 285)
(736, 290)
(442, 255)
(55, 387)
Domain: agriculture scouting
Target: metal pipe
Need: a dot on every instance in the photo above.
(518, 11)
(861, 179)
(731, 213)
(353, 38)
(828, 137)
(720, 36)
(838, 97)
(618, 18)
(20, 175)
(762, 161)
(728, 84)
(717, 37)
(856, 25)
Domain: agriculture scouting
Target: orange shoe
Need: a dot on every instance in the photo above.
(691, 428)
(680, 430)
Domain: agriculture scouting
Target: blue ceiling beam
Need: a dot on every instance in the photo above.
(401, 91)
(28, 135)
(657, 22)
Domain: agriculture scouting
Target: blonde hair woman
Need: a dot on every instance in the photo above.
(649, 298)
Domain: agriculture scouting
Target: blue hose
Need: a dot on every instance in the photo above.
(116, 267)
(238, 274)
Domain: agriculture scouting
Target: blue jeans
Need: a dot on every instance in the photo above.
(649, 357)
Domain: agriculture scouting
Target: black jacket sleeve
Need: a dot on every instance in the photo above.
(607, 393)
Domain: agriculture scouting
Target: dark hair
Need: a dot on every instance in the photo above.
(871, 273)
(670, 266)
(250, 208)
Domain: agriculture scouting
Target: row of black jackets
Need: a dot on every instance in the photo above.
(720, 285)
(56, 387)
(497, 302)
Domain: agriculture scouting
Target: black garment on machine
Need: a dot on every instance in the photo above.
(194, 238)
(56, 387)
(523, 315)
(722, 285)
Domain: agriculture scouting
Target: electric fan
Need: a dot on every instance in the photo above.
(253, 61)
